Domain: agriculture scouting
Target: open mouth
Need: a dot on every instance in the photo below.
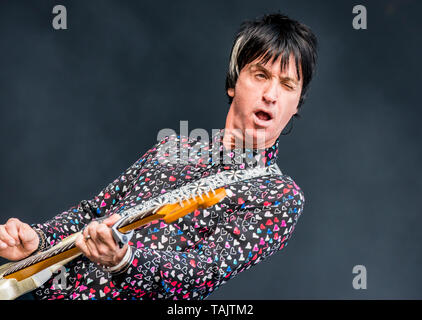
(262, 115)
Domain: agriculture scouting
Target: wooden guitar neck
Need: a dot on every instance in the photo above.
(66, 249)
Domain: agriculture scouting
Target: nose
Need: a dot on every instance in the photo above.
(270, 94)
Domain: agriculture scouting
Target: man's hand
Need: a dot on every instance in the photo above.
(17, 240)
(98, 245)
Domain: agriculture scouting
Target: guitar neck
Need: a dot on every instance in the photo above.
(67, 249)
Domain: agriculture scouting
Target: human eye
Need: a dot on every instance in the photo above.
(288, 85)
(260, 75)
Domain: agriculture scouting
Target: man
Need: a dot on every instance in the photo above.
(272, 63)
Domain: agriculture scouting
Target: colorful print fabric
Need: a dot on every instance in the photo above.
(192, 257)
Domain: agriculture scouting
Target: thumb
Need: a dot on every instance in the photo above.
(112, 220)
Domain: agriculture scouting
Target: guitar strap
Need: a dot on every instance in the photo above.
(201, 186)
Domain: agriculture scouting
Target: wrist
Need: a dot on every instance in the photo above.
(42, 241)
(123, 265)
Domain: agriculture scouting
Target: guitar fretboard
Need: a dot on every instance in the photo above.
(149, 207)
(65, 246)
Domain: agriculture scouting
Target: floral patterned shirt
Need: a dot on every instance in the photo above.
(195, 255)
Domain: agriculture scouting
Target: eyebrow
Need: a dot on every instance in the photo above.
(262, 68)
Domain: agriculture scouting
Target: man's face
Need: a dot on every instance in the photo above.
(264, 99)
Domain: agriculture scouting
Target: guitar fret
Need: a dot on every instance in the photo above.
(37, 258)
(149, 207)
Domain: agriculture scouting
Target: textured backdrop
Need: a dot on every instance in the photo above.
(78, 106)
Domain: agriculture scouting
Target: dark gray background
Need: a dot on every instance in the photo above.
(79, 106)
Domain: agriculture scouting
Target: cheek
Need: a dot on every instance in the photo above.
(287, 109)
(290, 105)
(246, 98)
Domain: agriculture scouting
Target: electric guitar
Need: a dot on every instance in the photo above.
(18, 278)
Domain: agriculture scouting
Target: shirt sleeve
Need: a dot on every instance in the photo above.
(76, 217)
(238, 243)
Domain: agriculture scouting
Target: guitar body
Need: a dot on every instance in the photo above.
(10, 288)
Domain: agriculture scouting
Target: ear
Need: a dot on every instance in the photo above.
(230, 92)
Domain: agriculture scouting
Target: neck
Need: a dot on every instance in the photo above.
(235, 137)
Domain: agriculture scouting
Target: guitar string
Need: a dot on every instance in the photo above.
(140, 211)
(50, 253)
(64, 247)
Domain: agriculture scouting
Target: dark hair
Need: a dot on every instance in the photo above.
(269, 37)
